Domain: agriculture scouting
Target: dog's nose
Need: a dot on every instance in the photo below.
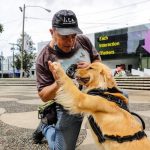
(78, 78)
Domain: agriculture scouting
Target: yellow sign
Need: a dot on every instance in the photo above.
(112, 44)
(103, 38)
(108, 52)
(109, 44)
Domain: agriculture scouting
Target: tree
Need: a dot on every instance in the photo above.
(1, 28)
(28, 55)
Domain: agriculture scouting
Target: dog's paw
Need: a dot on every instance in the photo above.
(56, 65)
(57, 70)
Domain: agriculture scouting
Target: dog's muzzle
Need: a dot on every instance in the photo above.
(71, 71)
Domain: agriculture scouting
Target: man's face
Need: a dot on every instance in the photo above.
(64, 42)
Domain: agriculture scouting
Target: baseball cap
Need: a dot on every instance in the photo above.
(66, 23)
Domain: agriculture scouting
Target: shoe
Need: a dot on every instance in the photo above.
(37, 135)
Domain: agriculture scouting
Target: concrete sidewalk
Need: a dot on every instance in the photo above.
(18, 118)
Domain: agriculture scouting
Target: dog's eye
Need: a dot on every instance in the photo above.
(90, 68)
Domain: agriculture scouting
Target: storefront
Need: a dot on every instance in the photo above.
(127, 46)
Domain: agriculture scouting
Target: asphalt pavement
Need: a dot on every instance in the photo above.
(19, 118)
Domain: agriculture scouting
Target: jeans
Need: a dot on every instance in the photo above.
(64, 134)
(125, 93)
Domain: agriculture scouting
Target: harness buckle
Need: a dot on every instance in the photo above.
(119, 139)
(120, 103)
(139, 135)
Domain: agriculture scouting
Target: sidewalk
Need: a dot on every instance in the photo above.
(18, 118)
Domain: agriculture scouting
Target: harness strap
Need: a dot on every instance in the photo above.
(143, 123)
(109, 97)
(96, 129)
(101, 138)
(118, 101)
(137, 136)
(120, 139)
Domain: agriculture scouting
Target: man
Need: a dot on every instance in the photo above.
(66, 47)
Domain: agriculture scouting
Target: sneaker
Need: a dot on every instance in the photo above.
(37, 135)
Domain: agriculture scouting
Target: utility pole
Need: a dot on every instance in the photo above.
(13, 49)
(23, 26)
(2, 64)
(22, 49)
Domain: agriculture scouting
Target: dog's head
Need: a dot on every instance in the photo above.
(96, 75)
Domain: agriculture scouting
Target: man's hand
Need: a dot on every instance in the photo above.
(51, 68)
(83, 64)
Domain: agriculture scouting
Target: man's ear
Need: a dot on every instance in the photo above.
(51, 32)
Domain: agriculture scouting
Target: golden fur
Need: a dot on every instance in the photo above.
(109, 116)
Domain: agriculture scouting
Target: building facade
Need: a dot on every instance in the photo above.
(129, 47)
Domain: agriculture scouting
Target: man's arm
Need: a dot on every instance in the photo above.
(48, 92)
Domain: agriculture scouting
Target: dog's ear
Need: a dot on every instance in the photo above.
(108, 77)
(110, 81)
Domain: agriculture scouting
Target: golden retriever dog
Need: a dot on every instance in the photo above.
(120, 129)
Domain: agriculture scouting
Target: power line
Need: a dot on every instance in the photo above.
(98, 23)
(120, 15)
(125, 14)
(43, 19)
(11, 21)
(113, 9)
(114, 17)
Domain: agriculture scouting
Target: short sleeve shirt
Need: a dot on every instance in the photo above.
(83, 51)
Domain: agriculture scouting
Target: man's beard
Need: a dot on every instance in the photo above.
(62, 54)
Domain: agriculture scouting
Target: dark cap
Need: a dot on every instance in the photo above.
(66, 23)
